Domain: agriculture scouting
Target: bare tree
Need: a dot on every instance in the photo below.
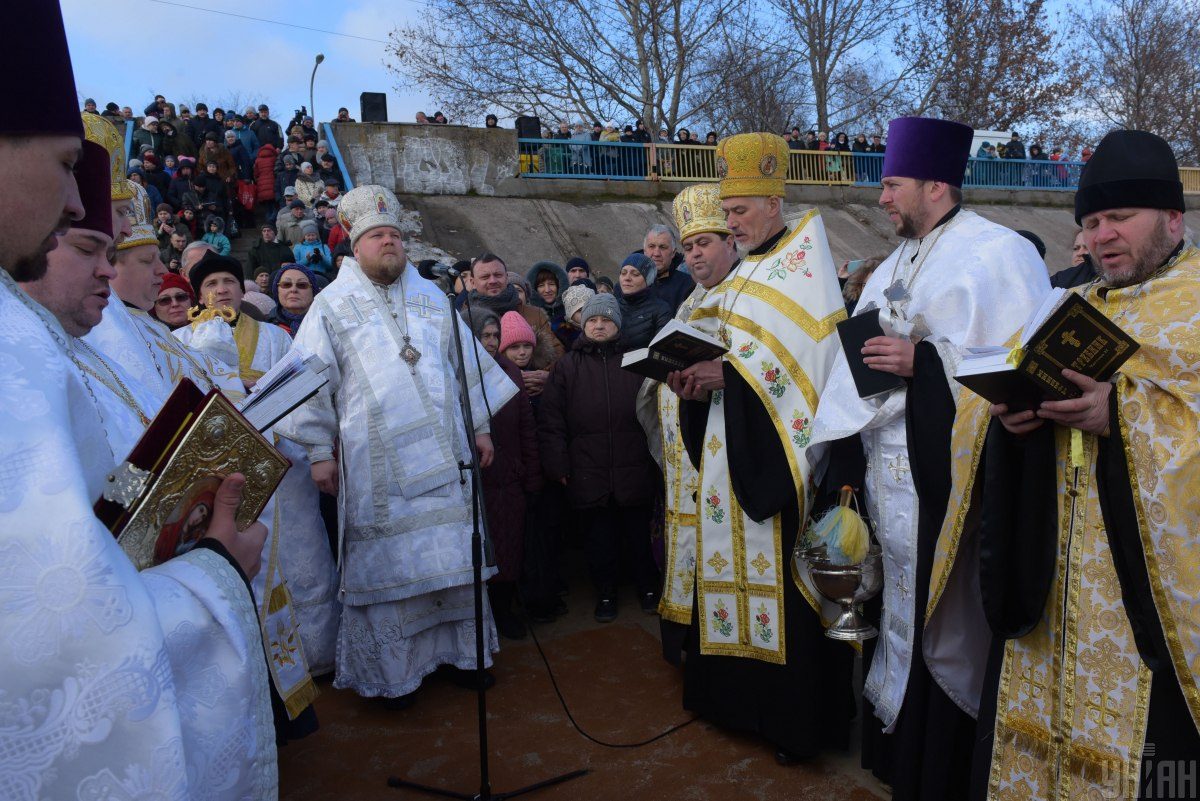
(596, 58)
(831, 34)
(1143, 62)
(749, 87)
(992, 64)
(231, 101)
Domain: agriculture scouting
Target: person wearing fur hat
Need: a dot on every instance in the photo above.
(549, 281)
(643, 313)
(406, 563)
(592, 443)
(511, 481)
(214, 234)
(311, 252)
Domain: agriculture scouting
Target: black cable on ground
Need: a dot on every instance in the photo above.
(575, 723)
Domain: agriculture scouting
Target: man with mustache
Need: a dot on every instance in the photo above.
(956, 281)
(116, 653)
(392, 408)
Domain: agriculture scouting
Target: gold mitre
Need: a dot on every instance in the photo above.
(698, 211)
(102, 132)
(752, 165)
(140, 216)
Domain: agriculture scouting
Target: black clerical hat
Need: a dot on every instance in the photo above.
(1130, 169)
(39, 95)
(213, 262)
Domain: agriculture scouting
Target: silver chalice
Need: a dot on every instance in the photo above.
(847, 586)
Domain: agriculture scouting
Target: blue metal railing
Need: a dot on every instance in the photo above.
(347, 181)
(621, 161)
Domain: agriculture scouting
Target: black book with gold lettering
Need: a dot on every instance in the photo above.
(1065, 332)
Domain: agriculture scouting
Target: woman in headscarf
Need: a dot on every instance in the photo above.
(293, 288)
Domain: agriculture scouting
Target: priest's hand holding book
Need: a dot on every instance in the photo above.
(889, 355)
(697, 381)
(1088, 412)
(244, 546)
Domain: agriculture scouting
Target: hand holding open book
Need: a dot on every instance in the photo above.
(676, 347)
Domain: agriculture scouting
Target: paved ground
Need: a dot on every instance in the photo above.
(619, 689)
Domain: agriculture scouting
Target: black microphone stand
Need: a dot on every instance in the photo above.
(477, 559)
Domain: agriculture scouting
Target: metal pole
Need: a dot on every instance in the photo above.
(312, 106)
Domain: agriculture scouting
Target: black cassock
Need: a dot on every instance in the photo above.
(805, 705)
(1017, 566)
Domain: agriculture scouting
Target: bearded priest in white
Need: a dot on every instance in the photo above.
(298, 548)
(115, 683)
(392, 406)
(956, 281)
(757, 658)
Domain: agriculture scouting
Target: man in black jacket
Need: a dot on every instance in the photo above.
(200, 124)
(267, 253)
(671, 285)
(266, 129)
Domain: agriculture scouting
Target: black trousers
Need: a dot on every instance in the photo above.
(611, 531)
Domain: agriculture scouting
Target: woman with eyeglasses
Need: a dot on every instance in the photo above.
(175, 297)
(293, 289)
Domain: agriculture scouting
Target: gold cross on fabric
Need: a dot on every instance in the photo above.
(1031, 685)
(713, 445)
(761, 563)
(718, 563)
(1102, 709)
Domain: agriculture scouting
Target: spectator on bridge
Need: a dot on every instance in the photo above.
(643, 313)
(157, 108)
(311, 253)
(421, 119)
(440, 118)
(671, 284)
(1039, 174)
(172, 143)
(267, 253)
(308, 128)
(492, 291)
(242, 160)
(127, 113)
(288, 221)
(343, 115)
(581, 154)
(89, 106)
(861, 165)
(490, 121)
(266, 129)
(308, 185)
(112, 113)
(214, 234)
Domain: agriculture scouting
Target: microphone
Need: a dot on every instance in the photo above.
(433, 270)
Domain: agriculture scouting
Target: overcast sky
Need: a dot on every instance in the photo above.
(127, 51)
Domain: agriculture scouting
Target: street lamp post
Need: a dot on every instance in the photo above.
(312, 106)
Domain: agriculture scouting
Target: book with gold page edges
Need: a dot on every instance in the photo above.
(158, 502)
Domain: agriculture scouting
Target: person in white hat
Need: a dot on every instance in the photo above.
(392, 404)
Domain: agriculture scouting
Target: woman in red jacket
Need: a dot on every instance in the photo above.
(264, 177)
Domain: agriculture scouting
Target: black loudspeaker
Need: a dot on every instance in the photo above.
(374, 107)
(529, 128)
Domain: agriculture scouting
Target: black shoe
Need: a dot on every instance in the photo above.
(467, 678)
(509, 626)
(788, 759)
(558, 608)
(649, 602)
(606, 609)
(399, 704)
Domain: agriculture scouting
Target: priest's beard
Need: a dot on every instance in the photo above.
(1146, 258)
(32, 267)
(384, 268)
(910, 225)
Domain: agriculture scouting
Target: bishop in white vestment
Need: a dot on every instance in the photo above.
(956, 281)
(391, 410)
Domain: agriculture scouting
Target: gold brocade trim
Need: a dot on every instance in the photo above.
(279, 598)
(1064, 722)
(1003, 724)
(944, 563)
(245, 334)
(786, 240)
(748, 326)
(817, 330)
(673, 455)
(301, 697)
(1162, 603)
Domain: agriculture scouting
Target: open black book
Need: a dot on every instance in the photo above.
(676, 347)
(1064, 332)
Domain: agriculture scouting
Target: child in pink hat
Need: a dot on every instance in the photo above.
(516, 339)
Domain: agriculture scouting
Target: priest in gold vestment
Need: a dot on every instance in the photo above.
(757, 658)
(1090, 565)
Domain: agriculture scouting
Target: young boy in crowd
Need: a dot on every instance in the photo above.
(214, 234)
(592, 443)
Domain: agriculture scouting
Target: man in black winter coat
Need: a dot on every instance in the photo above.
(266, 129)
(671, 285)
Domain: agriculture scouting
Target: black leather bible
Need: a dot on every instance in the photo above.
(854, 333)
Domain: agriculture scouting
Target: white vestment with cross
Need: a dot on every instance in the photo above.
(404, 510)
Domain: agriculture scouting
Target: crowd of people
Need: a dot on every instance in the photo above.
(1026, 550)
